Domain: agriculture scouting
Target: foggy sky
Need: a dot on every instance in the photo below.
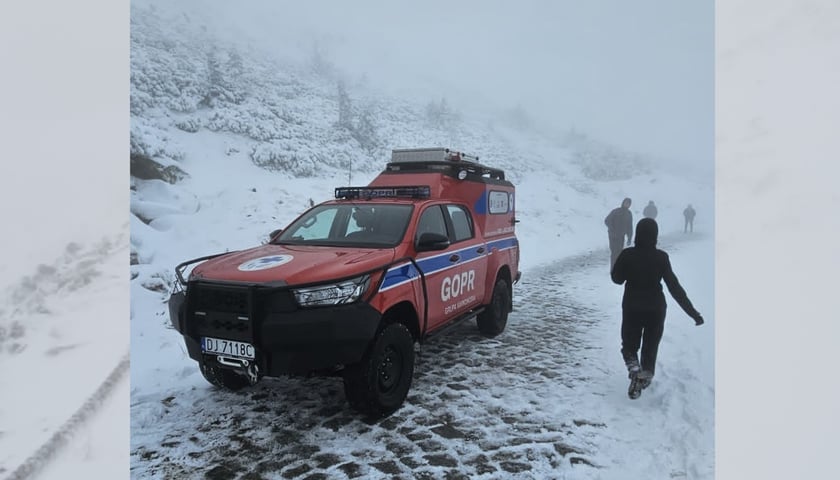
(638, 74)
(59, 178)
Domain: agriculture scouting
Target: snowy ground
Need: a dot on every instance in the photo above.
(97, 449)
(546, 399)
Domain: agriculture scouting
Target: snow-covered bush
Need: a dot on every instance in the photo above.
(305, 119)
(190, 125)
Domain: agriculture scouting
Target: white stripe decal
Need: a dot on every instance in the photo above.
(430, 257)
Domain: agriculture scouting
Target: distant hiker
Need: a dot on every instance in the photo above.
(642, 268)
(689, 218)
(311, 203)
(619, 223)
(650, 211)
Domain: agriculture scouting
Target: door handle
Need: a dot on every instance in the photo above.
(480, 250)
(454, 258)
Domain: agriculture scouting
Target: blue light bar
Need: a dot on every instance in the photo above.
(414, 191)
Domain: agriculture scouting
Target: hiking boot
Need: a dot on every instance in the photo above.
(638, 381)
(645, 378)
(632, 367)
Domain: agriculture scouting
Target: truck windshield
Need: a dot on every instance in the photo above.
(349, 225)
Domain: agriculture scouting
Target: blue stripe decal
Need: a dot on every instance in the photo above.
(406, 272)
(397, 275)
(480, 205)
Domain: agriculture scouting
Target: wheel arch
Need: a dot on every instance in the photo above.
(404, 313)
(504, 273)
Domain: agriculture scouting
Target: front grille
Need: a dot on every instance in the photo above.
(232, 312)
(220, 312)
(220, 299)
(222, 327)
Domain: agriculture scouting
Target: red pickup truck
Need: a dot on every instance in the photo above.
(352, 284)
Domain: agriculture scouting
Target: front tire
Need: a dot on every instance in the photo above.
(493, 319)
(223, 377)
(379, 383)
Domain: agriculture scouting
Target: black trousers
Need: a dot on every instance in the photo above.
(616, 246)
(642, 328)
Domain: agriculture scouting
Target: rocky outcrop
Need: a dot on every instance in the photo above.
(145, 168)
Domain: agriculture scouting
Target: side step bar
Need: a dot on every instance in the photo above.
(454, 323)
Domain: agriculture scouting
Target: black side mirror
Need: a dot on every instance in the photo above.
(274, 234)
(432, 241)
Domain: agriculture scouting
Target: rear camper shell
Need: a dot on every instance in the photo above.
(455, 175)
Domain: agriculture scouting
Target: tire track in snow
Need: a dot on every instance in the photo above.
(49, 449)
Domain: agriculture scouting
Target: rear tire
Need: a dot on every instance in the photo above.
(224, 378)
(379, 383)
(493, 319)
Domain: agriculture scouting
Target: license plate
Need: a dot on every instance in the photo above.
(227, 347)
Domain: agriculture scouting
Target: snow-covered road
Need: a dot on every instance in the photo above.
(546, 399)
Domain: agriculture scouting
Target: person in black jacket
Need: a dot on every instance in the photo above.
(619, 223)
(641, 269)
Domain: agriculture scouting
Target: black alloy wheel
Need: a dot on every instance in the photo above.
(379, 383)
(493, 319)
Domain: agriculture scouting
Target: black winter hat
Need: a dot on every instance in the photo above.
(646, 232)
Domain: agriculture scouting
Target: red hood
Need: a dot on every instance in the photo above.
(293, 264)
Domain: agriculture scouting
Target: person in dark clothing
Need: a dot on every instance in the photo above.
(619, 223)
(641, 269)
(689, 218)
(650, 210)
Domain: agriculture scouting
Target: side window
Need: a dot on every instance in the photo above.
(461, 222)
(431, 220)
(499, 202)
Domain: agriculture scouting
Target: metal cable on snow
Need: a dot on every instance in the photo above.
(50, 448)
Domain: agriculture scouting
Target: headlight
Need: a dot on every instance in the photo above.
(347, 291)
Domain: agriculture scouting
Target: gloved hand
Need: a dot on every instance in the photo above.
(698, 319)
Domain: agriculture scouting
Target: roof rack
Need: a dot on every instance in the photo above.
(437, 154)
(414, 191)
(440, 159)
